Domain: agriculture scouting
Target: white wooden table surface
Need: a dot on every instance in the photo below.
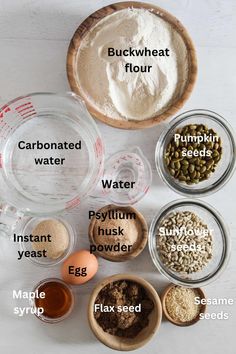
(34, 36)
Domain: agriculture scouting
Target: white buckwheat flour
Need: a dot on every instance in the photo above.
(132, 95)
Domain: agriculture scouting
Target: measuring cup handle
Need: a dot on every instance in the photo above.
(9, 218)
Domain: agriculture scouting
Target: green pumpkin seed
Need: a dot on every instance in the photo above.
(177, 165)
(167, 161)
(176, 154)
(191, 168)
(177, 143)
(195, 181)
(193, 174)
(185, 162)
(198, 162)
(215, 153)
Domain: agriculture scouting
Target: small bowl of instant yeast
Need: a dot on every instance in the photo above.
(45, 241)
(124, 312)
(134, 64)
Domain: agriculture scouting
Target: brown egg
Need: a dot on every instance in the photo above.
(79, 267)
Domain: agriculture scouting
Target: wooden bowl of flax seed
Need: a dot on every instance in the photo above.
(131, 111)
(123, 331)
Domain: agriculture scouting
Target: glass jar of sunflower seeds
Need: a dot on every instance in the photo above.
(189, 243)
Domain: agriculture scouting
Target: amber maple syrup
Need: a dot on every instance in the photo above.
(58, 300)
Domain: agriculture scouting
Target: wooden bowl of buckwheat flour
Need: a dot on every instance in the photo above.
(179, 307)
(131, 229)
(127, 335)
(133, 64)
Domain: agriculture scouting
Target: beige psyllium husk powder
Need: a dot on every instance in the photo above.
(111, 87)
(131, 234)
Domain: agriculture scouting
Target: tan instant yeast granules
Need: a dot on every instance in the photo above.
(58, 234)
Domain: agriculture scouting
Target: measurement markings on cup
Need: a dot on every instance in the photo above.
(26, 110)
(4, 110)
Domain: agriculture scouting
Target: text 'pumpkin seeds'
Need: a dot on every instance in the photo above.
(193, 153)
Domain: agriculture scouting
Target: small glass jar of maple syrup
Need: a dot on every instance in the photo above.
(54, 300)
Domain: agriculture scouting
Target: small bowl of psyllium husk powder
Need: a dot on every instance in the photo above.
(181, 305)
(117, 233)
(189, 243)
(195, 155)
(133, 63)
(124, 312)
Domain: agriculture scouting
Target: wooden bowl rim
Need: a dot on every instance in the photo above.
(143, 238)
(90, 22)
(98, 331)
(178, 323)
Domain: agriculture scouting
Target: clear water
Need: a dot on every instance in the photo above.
(47, 183)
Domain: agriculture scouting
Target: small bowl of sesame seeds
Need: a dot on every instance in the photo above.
(182, 306)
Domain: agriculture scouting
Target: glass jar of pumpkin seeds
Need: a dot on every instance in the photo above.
(195, 154)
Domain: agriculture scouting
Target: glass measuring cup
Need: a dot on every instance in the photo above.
(51, 154)
(129, 166)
